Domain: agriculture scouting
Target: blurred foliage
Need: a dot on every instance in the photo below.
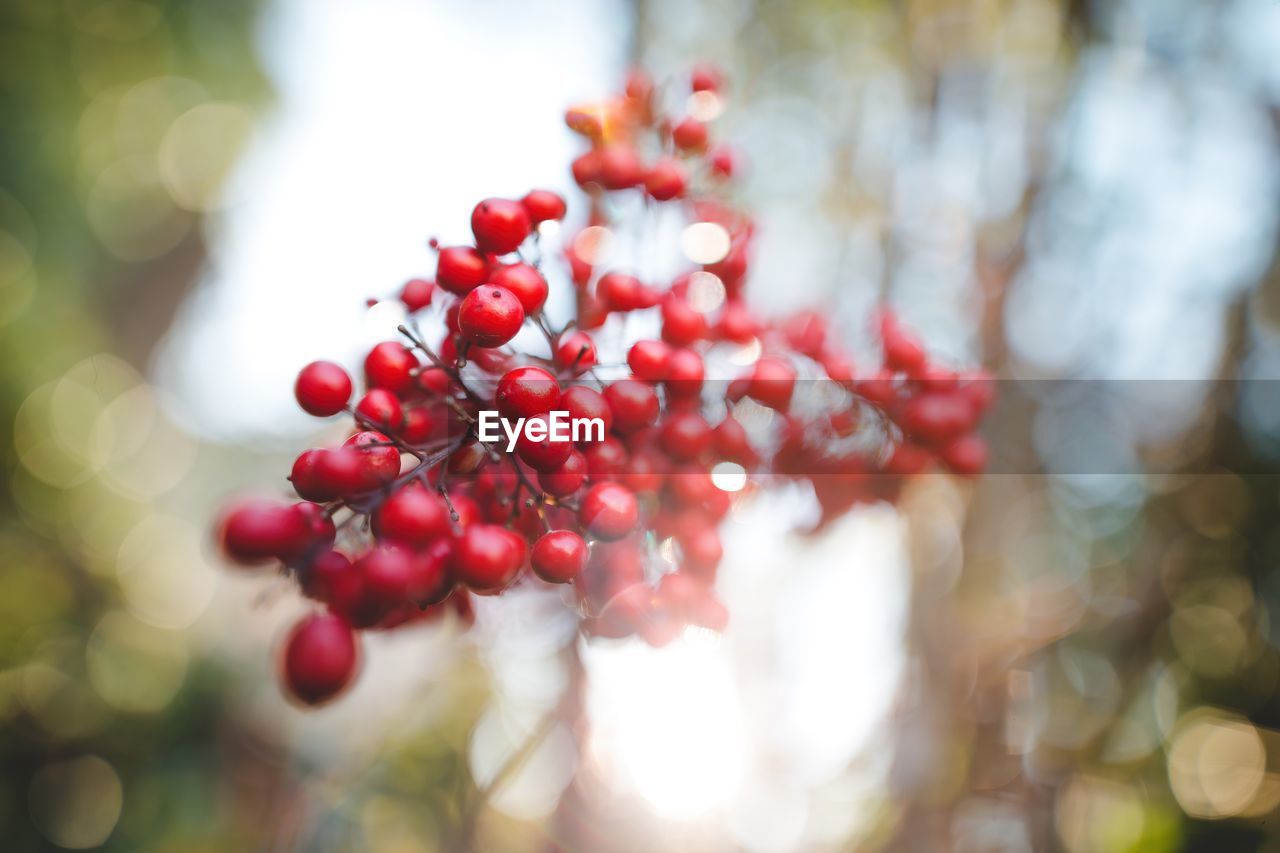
(101, 197)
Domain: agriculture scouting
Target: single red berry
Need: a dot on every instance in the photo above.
(526, 391)
(634, 405)
(257, 531)
(620, 167)
(390, 365)
(558, 556)
(684, 373)
(490, 316)
(432, 573)
(902, 352)
(772, 383)
(685, 436)
(567, 479)
(702, 551)
(320, 658)
(706, 78)
(575, 352)
(416, 294)
(586, 169)
(681, 323)
(666, 180)
(690, 135)
(387, 571)
(525, 282)
(966, 455)
(648, 360)
(381, 409)
(307, 477)
(500, 225)
(938, 417)
(419, 424)
(487, 558)
(322, 389)
(608, 511)
(461, 269)
(908, 459)
(412, 516)
(379, 462)
(620, 292)
(736, 323)
(543, 205)
(536, 446)
(328, 576)
(639, 85)
(582, 402)
(724, 161)
(732, 443)
(605, 459)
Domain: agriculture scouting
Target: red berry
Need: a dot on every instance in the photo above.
(724, 161)
(621, 292)
(418, 425)
(257, 531)
(608, 511)
(320, 658)
(681, 324)
(412, 516)
(390, 365)
(605, 459)
(307, 478)
(488, 558)
(583, 402)
(329, 577)
(685, 436)
(772, 383)
(576, 352)
(567, 479)
(416, 294)
(620, 167)
(666, 180)
(634, 405)
(586, 169)
(731, 442)
(525, 282)
(690, 135)
(490, 316)
(685, 372)
(558, 556)
(379, 463)
(966, 455)
(387, 572)
(736, 323)
(648, 360)
(461, 269)
(432, 580)
(706, 78)
(544, 453)
(322, 389)
(526, 391)
(500, 225)
(381, 408)
(543, 205)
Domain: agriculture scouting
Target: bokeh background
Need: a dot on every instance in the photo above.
(1080, 651)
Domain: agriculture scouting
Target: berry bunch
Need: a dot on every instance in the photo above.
(416, 511)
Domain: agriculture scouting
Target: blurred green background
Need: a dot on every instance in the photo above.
(1081, 650)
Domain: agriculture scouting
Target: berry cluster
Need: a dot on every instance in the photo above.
(415, 512)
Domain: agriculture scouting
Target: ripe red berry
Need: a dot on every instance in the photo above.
(583, 402)
(307, 477)
(416, 294)
(418, 425)
(567, 479)
(690, 135)
(558, 556)
(586, 169)
(706, 78)
(526, 391)
(681, 324)
(322, 389)
(432, 580)
(379, 463)
(966, 455)
(257, 531)
(731, 442)
(685, 436)
(736, 323)
(500, 225)
(412, 516)
(490, 316)
(666, 180)
(320, 658)
(634, 405)
(684, 373)
(605, 459)
(620, 167)
(390, 365)
(488, 558)
(648, 360)
(525, 282)
(381, 409)
(544, 453)
(608, 511)
(543, 205)
(772, 383)
(621, 292)
(724, 161)
(461, 269)
(576, 352)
